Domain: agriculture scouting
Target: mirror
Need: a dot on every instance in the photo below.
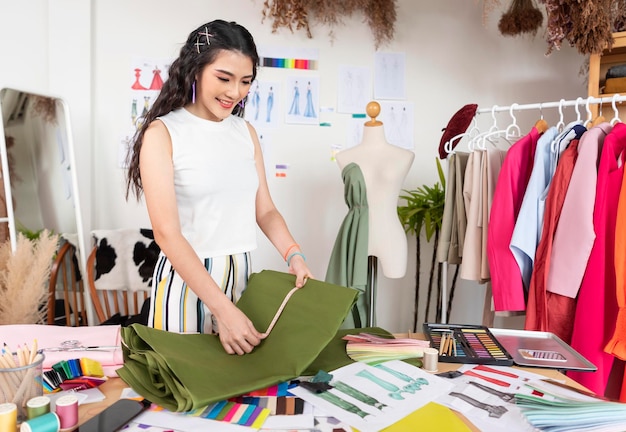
(41, 163)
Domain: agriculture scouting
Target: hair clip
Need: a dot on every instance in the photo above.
(198, 44)
(206, 34)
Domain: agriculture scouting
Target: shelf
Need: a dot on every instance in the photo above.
(599, 65)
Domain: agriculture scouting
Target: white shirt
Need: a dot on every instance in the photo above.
(216, 182)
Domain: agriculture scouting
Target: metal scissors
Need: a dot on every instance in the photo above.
(76, 345)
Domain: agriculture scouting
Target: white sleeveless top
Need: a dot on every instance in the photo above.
(216, 182)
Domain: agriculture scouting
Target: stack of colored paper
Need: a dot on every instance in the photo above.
(558, 411)
(372, 349)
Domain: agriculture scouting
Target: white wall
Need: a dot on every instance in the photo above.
(452, 60)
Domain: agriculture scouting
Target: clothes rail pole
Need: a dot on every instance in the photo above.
(556, 104)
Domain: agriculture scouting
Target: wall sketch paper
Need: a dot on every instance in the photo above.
(389, 75)
(302, 100)
(371, 398)
(398, 121)
(355, 131)
(262, 107)
(145, 78)
(288, 58)
(354, 89)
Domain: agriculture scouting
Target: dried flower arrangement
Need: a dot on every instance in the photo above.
(299, 14)
(521, 17)
(586, 24)
(24, 278)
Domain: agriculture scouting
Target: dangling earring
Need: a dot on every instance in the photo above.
(193, 92)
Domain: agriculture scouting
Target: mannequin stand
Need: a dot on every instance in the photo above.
(372, 276)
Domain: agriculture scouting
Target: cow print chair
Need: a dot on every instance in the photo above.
(119, 274)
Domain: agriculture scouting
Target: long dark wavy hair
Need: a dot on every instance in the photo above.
(202, 47)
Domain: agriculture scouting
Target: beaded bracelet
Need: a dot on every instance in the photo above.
(293, 255)
(289, 248)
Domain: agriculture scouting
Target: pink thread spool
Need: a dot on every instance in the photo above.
(67, 410)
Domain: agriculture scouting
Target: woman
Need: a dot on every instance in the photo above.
(199, 166)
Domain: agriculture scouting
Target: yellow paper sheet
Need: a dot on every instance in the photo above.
(430, 418)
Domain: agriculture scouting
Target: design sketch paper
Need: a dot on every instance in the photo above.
(145, 80)
(394, 391)
(512, 420)
(266, 148)
(302, 100)
(263, 108)
(398, 121)
(355, 131)
(354, 89)
(389, 75)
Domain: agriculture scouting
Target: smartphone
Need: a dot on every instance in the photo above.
(113, 417)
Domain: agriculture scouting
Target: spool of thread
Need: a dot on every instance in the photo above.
(37, 406)
(8, 417)
(48, 422)
(67, 410)
(431, 360)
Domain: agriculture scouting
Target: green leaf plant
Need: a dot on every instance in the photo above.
(422, 211)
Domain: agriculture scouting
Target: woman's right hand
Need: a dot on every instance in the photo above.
(236, 332)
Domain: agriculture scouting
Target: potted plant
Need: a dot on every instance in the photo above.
(423, 211)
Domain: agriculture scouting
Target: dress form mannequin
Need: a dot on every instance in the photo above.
(384, 167)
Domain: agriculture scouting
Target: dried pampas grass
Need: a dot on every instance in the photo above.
(24, 279)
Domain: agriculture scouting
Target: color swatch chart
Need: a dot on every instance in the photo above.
(459, 343)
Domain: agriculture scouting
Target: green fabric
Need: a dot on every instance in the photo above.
(182, 372)
(348, 259)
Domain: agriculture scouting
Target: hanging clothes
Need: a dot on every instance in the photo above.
(617, 344)
(506, 283)
(537, 316)
(596, 309)
(348, 259)
(492, 164)
(454, 220)
(448, 220)
(541, 178)
(459, 203)
(524, 238)
(470, 270)
(575, 234)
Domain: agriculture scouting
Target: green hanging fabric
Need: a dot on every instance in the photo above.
(182, 372)
(348, 259)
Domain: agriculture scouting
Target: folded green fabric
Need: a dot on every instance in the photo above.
(182, 372)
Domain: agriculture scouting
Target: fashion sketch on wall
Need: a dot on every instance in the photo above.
(146, 78)
(302, 97)
(397, 116)
(262, 105)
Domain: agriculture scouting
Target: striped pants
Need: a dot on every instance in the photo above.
(175, 307)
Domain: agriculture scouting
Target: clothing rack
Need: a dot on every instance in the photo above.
(578, 102)
(556, 104)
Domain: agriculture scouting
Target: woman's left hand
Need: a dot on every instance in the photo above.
(298, 267)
